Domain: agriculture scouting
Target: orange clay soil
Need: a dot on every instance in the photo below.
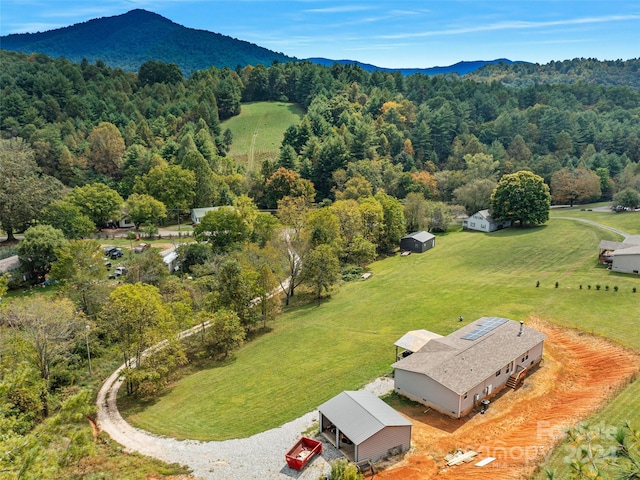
(579, 374)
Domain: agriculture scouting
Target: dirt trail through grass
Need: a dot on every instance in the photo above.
(579, 374)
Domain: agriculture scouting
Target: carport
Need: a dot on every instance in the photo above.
(363, 427)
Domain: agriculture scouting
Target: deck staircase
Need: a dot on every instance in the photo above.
(517, 378)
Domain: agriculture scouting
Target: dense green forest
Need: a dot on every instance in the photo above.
(406, 133)
(375, 155)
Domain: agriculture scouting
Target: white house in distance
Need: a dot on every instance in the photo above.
(453, 374)
(483, 222)
(198, 213)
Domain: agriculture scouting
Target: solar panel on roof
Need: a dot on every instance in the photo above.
(486, 326)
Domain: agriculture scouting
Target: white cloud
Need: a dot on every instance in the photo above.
(515, 25)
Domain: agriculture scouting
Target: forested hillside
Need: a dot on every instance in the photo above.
(405, 134)
(579, 70)
(375, 155)
(127, 41)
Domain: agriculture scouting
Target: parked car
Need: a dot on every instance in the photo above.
(107, 263)
(120, 270)
(116, 253)
(143, 247)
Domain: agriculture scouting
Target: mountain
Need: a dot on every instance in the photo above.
(461, 68)
(127, 41)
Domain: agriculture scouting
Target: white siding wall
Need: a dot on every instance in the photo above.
(378, 445)
(626, 263)
(425, 390)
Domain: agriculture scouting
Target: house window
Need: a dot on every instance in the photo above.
(498, 373)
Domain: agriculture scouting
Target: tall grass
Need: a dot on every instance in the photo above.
(258, 131)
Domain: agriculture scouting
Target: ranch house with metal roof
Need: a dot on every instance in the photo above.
(363, 427)
(453, 374)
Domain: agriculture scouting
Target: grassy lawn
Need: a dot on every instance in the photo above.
(627, 221)
(258, 131)
(315, 352)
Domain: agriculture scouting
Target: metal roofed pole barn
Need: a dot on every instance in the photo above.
(363, 427)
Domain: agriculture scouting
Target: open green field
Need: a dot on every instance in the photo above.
(315, 352)
(258, 131)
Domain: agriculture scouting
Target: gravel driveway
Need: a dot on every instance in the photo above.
(258, 457)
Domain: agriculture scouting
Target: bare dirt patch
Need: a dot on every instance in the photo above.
(579, 374)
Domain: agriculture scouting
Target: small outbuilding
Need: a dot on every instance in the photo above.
(457, 373)
(363, 427)
(483, 222)
(417, 242)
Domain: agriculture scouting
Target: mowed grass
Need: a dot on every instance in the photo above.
(258, 131)
(315, 352)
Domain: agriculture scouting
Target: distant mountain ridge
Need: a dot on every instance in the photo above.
(461, 68)
(127, 41)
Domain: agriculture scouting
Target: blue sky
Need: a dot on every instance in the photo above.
(395, 34)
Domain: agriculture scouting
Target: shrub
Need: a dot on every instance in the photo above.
(606, 287)
(615, 288)
(342, 469)
(580, 287)
(557, 284)
(589, 287)
(597, 287)
(633, 289)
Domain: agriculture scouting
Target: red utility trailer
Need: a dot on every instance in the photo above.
(302, 452)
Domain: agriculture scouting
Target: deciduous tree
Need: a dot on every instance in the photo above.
(578, 185)
(521, 197)
(222, 229)
(38, 249)
(142, 208)
(49, 327)
(225, 332)
(476, 195)
(172, 185)
(80, 269)
(628, 197)
(136, 319)
(99, 202)
(69, 218)
(24, 191)
(321, 269)
(107, 148)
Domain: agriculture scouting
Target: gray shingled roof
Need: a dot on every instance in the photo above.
(360, 414)
(460, 364)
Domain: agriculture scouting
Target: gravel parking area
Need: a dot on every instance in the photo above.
(258, 457)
